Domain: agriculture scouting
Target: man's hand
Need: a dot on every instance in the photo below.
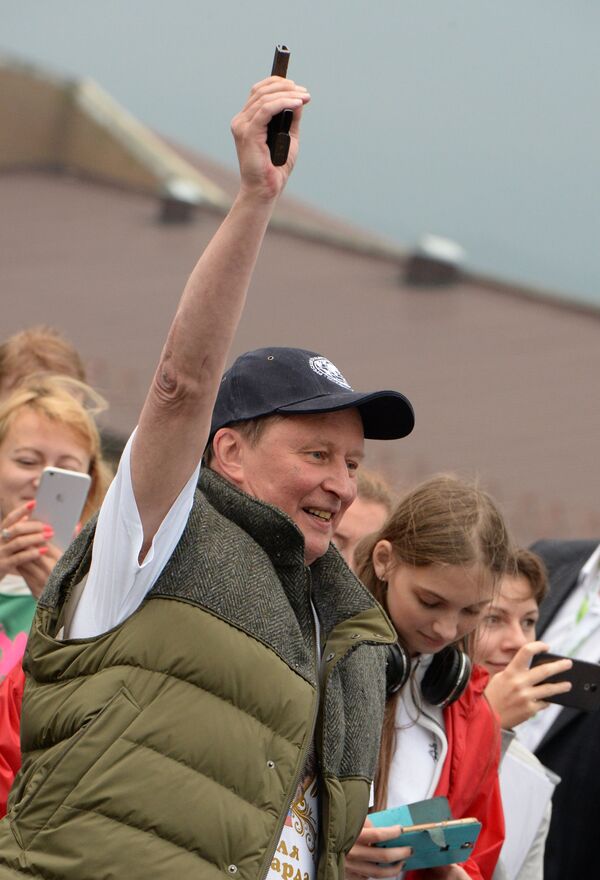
(175, 420)
(259, 176)
(365, 859)
(519, 692)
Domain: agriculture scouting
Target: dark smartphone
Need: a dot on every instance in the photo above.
(278, 131)
(585, 681)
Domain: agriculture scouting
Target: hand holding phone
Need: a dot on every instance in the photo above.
(433, 844)
(22, 540)
(519, 691)
(584, 678)
(367, 857)
(60, 500)
(278, 131)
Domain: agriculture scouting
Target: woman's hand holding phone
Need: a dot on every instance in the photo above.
(24, 547)
(365, 859)
(518, 692)
(36, 573)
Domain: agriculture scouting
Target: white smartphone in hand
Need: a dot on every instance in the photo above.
(59, 501)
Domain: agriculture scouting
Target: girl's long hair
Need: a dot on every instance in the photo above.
(443, 521)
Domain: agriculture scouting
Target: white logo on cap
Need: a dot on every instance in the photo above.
(325, 368)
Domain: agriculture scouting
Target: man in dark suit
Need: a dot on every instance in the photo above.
(568, 740)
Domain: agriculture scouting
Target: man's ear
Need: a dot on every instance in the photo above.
(383, 558)
(228, 458)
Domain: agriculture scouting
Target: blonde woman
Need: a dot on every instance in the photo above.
(46, 421)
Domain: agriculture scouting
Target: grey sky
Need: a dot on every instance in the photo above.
(474, 119)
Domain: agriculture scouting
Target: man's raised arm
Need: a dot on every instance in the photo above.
(175, 420)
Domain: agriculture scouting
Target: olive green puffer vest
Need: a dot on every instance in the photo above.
(171, 746)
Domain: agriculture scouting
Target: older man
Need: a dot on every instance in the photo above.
(205, 675)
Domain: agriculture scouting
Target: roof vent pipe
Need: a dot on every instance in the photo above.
(179, 200)
(435, 261)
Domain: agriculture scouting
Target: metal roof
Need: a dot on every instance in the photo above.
(503, 382)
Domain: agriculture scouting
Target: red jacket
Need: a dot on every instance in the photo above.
(11, 695)
(470, 774)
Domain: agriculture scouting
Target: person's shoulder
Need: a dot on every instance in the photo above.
(554, 551)
(563, 559)
(472, 702)
(519, 750)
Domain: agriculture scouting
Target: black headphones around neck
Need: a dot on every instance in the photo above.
(443, 683)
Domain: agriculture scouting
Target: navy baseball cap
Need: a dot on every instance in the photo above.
(298, 382)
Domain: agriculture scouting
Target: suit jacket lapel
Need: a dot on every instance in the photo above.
(563, 578)
(564, 561)
(563, 719)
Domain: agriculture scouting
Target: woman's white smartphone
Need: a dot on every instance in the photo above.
(59, 501)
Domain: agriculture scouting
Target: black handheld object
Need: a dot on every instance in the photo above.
(278, 131)
(585, 681)
(446, 678)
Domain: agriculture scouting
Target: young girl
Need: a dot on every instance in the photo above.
(434, 567)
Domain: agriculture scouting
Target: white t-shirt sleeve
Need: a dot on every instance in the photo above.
(116, 583)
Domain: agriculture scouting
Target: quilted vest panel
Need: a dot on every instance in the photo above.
(171, 746)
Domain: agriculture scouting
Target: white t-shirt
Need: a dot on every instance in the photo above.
(117, 583)
(297, 852)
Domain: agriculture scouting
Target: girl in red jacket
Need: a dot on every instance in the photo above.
(434, 567)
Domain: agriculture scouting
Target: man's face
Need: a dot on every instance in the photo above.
(362, 518)
(306, 466)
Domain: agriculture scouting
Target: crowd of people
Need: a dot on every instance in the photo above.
(252, 643)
